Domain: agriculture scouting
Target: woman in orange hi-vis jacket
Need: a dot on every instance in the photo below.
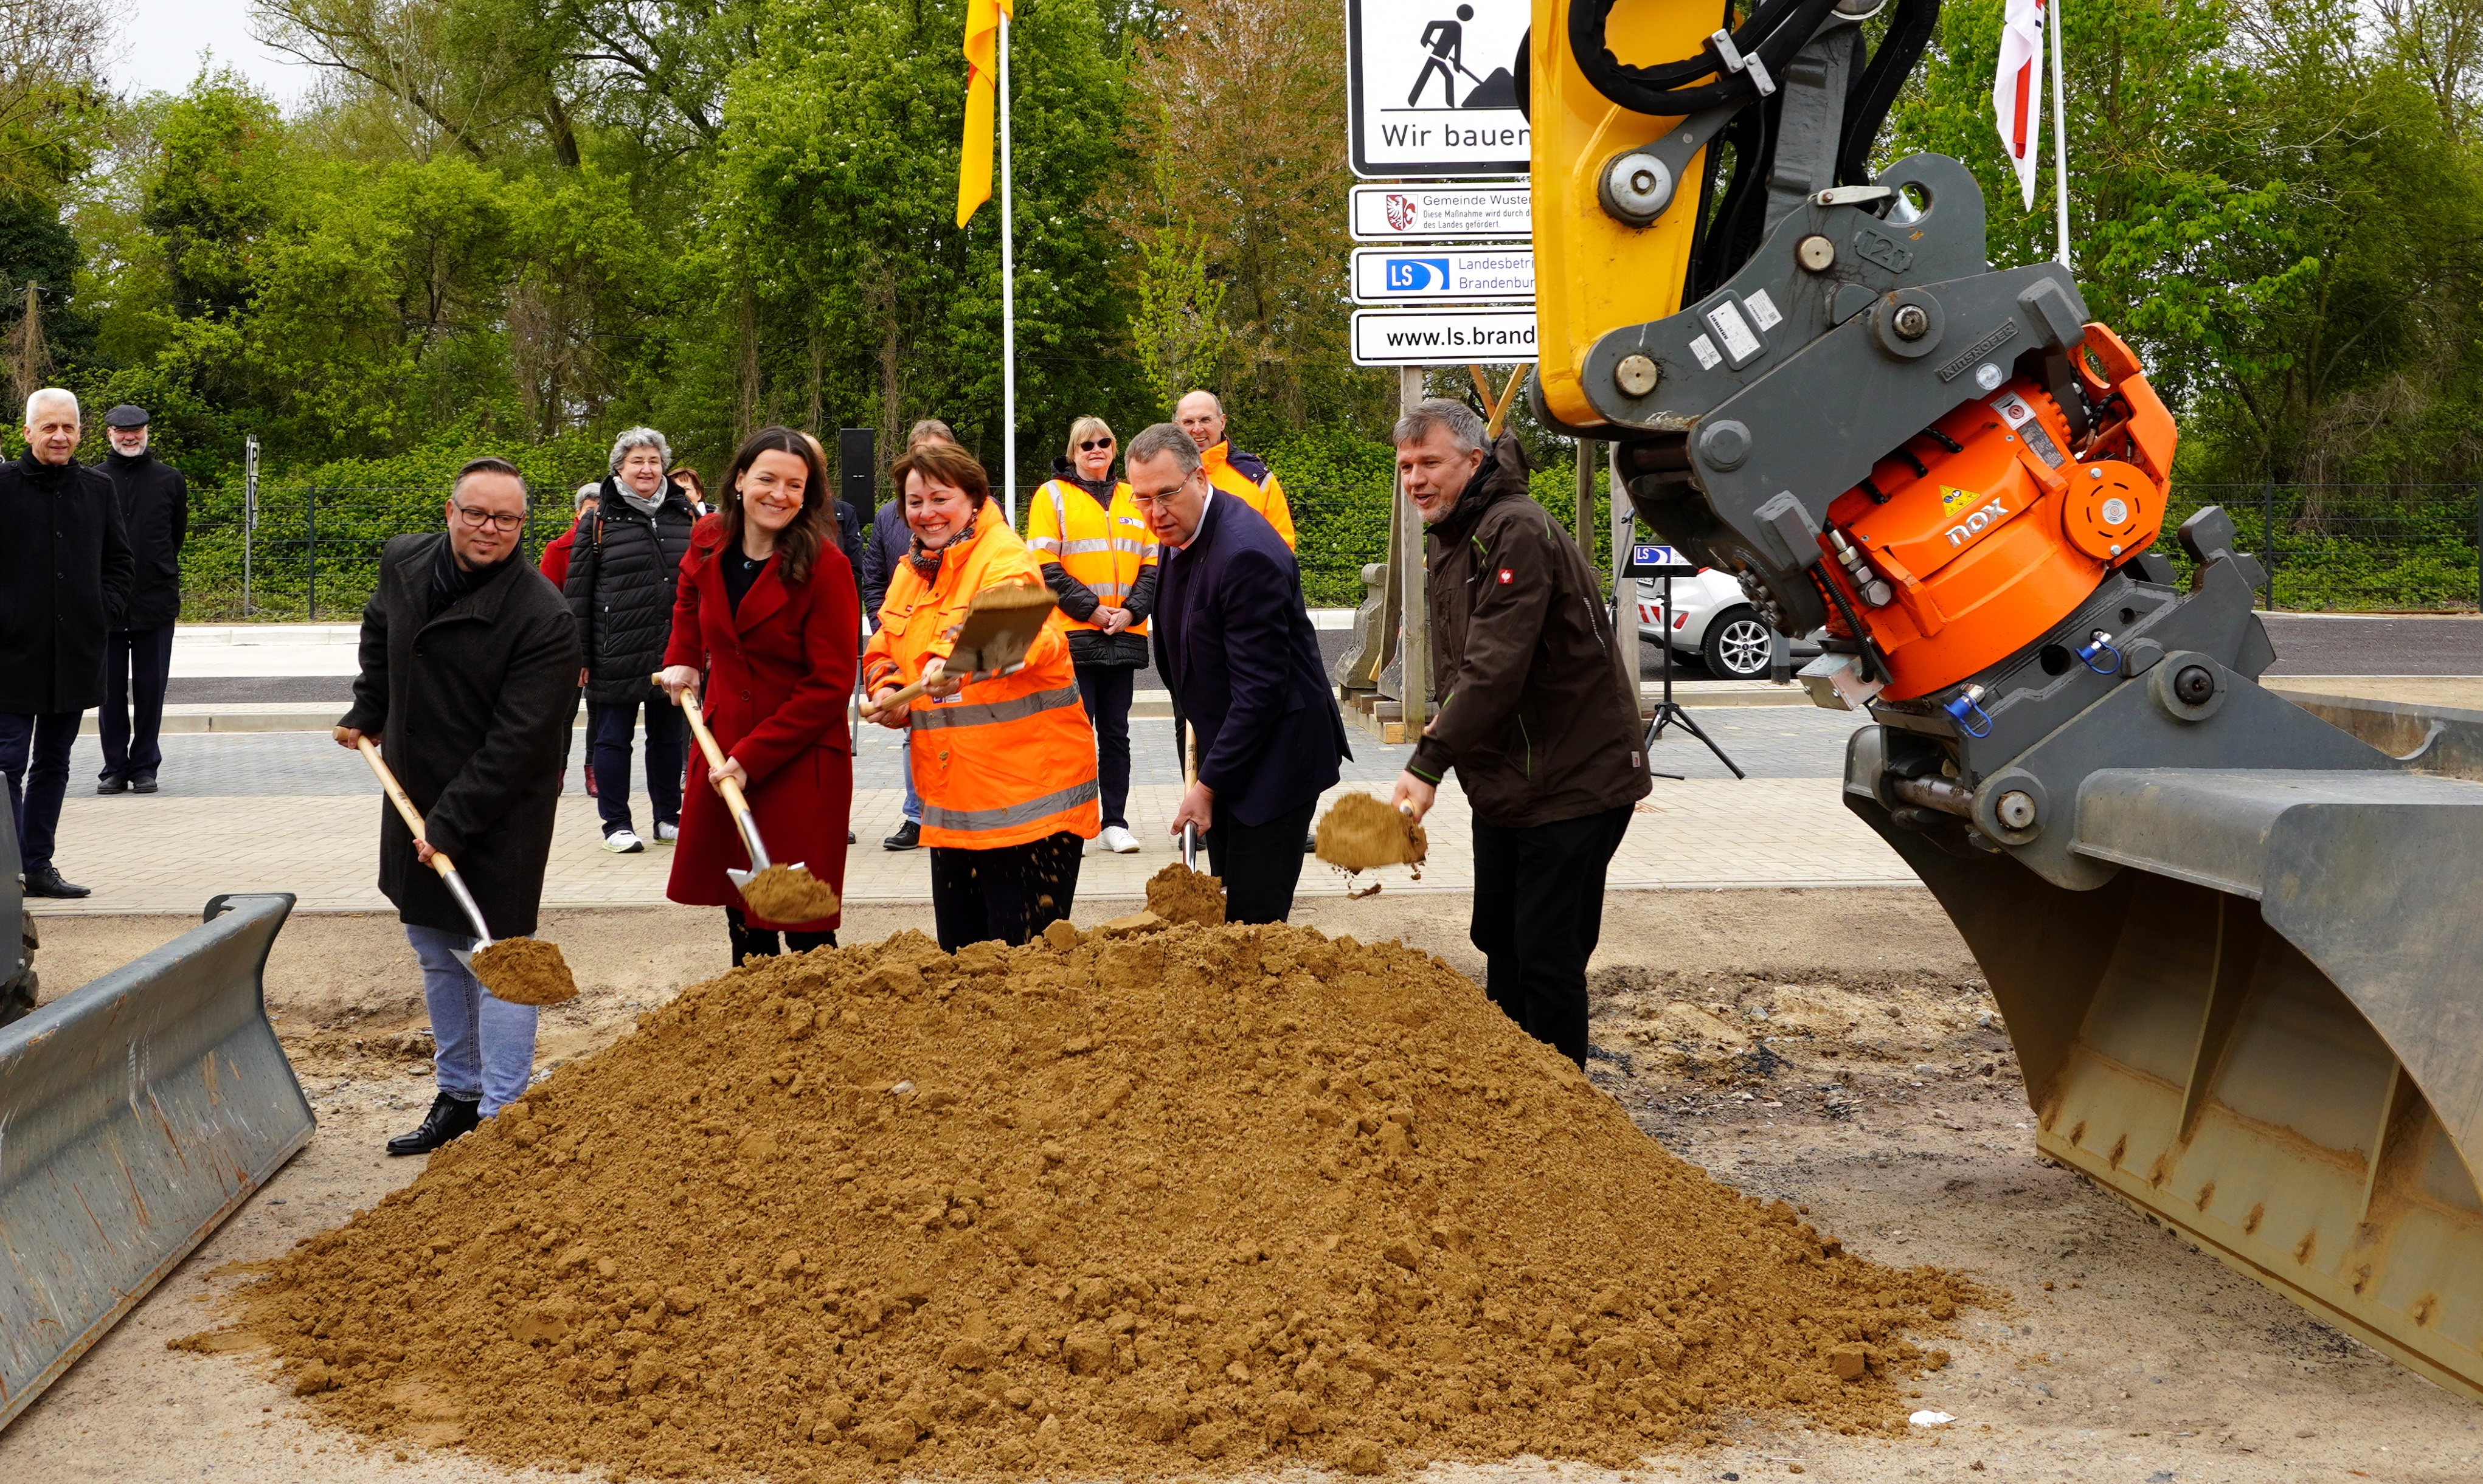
(1006, 767)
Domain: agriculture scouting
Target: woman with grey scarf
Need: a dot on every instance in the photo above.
(622, 571)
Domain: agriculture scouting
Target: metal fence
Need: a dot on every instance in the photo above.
(2357, 546)
(314, 550)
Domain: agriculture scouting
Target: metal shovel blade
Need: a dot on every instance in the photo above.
(1001, 627)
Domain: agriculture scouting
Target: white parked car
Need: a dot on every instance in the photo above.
(1714, 623)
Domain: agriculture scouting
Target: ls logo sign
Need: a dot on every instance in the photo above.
(1417, 274)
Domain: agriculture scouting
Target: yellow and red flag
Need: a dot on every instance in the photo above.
(982, 84)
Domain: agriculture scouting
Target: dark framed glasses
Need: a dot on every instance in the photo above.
(1089, 446)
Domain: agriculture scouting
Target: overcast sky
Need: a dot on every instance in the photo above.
(162, 47)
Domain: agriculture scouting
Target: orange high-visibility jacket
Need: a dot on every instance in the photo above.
(1003, 761)
(1105, 549)
(1247, 478)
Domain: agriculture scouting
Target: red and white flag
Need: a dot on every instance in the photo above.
(2017, 90)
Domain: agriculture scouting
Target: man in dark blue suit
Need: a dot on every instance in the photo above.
(1236, 649)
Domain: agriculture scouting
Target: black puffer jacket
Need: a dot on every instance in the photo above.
(155, 507)
(622, 571)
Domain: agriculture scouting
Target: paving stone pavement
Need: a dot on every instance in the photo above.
(218, 827)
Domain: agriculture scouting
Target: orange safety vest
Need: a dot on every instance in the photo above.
(1247, 478)
(1003, 761)
(1105, 549)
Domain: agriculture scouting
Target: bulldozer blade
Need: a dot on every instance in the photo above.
(136, 1114)
(2264, 1031)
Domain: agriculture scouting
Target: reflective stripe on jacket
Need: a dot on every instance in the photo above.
(1247, 478)
(1106, 550)
(1003, 761)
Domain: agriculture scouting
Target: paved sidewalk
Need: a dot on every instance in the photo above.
(291, 812)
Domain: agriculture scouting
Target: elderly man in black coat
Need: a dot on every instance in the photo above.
(1236, 649)
(138, 658)
(469, 682)
(65, 575)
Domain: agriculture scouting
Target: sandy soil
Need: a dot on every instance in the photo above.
(1872, 1092)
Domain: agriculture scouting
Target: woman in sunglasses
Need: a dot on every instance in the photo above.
(1100, 561)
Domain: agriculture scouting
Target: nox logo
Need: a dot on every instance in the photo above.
(1976, 524)
(1417, 274)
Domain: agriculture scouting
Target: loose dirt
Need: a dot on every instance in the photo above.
(1142, 1202)
(1178, 894)
(525, 972)
(782, 894)
(1360, 833)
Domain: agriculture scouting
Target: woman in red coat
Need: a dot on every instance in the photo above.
(767, 607)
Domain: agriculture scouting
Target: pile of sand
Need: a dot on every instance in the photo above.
(1149, 1201)
(1178, 894)
(525, 972)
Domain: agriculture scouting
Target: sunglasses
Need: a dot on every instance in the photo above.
(1089, 446)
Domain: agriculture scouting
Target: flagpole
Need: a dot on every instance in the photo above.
(1009, 299)
(2060, 131)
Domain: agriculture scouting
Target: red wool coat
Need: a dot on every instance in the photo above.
(778, 676)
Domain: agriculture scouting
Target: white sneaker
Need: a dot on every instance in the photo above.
(623, 842)
(666, 830)
(1119, 841)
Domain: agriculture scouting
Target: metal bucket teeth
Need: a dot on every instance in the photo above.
(136, 1114)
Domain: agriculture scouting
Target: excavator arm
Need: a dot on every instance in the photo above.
(2223, 932)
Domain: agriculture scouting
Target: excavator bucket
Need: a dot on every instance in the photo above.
(2265, 1031)
(136, 1114)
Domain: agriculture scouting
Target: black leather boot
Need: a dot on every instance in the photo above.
(449, 1119)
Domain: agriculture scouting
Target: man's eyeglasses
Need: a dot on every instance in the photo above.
(1089, 446)
(479, 519)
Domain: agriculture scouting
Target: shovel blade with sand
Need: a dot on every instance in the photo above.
(521, 970)
(1360, 831)
(773, 892)
(1001, 624)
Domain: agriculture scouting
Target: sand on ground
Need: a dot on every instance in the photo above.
(1827, 1046)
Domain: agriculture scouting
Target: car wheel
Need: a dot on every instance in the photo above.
(1736, 646)
(18, 995)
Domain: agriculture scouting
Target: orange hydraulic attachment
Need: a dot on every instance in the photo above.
(1989, 527)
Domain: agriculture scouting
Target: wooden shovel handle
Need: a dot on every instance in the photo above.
(715, 754)
(405, 809)
(872, 710)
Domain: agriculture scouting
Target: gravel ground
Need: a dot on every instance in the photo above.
(1871, 1093)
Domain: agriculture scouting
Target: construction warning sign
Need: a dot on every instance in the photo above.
(1433, 90)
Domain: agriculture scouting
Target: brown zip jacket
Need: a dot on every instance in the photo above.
(1535, 714)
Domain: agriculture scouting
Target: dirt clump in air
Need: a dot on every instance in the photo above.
(525, 972)
(1206, 1202)
(1360, 831)
(1179, 894)
(782, 894)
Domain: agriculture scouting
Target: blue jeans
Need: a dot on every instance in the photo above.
(35, 754)
(913, 800)
(486, 1047)
(611, 726)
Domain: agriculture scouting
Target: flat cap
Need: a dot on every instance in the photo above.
(129, 415)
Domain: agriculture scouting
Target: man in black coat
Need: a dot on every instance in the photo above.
(138, 656)
(469, 663)
(64, 576)
(623, 569)
(1236, 649)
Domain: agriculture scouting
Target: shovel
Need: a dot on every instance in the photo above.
(1189, 779)
(521, 970)
(1001, 623)
(777, 893)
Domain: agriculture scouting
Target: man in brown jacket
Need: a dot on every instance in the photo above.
(1533, 714)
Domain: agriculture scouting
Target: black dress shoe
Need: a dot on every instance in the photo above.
(450, 1117)
(143, 782)
(45, 880)
(111, 783)
(908, 836)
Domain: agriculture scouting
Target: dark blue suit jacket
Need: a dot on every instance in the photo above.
(1236, 649)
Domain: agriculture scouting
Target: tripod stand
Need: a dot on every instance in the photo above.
(1668, 711)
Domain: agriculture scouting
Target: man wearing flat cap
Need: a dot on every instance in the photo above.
(155, 509)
